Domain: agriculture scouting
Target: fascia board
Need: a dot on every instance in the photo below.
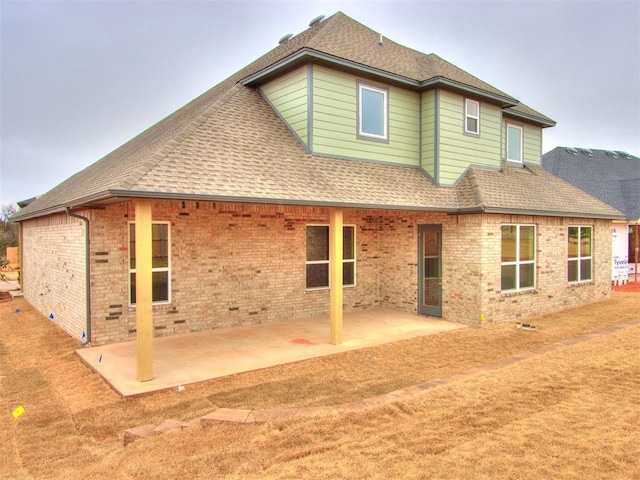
(307, 54)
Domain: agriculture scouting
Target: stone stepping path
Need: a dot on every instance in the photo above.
(246, 417)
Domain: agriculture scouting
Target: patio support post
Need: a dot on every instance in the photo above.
(335, 277)
(144, 291)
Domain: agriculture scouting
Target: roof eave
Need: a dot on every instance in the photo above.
(274, 201)
(543, 122)
(555, 213)
(440, 81)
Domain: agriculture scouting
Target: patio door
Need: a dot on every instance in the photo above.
(430, 270)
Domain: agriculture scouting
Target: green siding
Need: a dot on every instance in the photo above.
(428, 132)
(532, 148)
(288, 95)
(458, 150)
(335, 121)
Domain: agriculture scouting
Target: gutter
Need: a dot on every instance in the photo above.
(87, 273)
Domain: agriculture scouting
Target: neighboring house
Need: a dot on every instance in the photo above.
(614, 178)
(430, 177)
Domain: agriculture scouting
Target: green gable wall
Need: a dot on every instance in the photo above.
(335, 121)
(458, 150)
(288, 95)
(428, 160)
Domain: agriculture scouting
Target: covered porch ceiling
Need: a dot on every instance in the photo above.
(198, 357)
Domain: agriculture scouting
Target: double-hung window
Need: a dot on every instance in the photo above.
(580, 250)
(318, 256)
(514, 143)
(471, 116)
(160, 263)
(373, 112)
(518, 257)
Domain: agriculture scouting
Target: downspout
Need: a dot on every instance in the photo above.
(87, 271)
(637, 252)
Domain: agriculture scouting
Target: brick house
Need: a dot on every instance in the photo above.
(614, 178)
(337, 150)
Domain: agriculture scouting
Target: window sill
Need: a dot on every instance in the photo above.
(513, 293)
(580, 284)
(154, 304)
(322, 289)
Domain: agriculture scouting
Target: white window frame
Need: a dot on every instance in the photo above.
(580, 257)
(327, 262)
(521, 152)
(385, 113)
(159, 269)
(518, 262)
(467, 115)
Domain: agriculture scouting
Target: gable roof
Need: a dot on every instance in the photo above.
(612, 177)
(210, 149)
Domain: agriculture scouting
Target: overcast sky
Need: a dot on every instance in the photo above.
(80, 78)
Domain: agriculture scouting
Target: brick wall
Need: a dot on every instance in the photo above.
(235, 264)
(552, 290)
(53, 270)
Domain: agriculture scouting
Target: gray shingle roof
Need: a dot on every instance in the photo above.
(613, 180)
(211, 149)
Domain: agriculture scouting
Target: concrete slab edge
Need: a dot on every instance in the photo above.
(255, 417)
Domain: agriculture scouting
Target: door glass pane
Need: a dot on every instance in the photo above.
(431, 297)
(509, 238)
(431, 269)
(527, 243)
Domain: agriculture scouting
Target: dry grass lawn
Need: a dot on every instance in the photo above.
(569, 414)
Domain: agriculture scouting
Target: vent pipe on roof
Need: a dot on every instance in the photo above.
(316, 21)
(380, 42)
(285, 38)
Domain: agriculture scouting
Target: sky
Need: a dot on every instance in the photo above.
(80, 78)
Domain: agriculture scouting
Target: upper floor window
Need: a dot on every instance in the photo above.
(518, 257)
(160, 262)
(373, 112)
(514, 143)
(318, 256)
(579, 253)
(471, 116)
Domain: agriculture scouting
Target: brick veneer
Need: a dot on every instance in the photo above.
(53, 272)
(236, 264)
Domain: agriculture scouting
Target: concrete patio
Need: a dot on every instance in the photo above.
(196, 357)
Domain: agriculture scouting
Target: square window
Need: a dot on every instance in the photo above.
(518, 258)
(514, 143)
(471, 116)
(579, 254)
(317, 264)
(373, 112)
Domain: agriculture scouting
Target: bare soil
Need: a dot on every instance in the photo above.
(569, 414)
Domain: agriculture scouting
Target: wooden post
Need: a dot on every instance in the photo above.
(335, 277)
(144, 291)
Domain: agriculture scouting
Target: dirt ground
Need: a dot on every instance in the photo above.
(568, 414)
